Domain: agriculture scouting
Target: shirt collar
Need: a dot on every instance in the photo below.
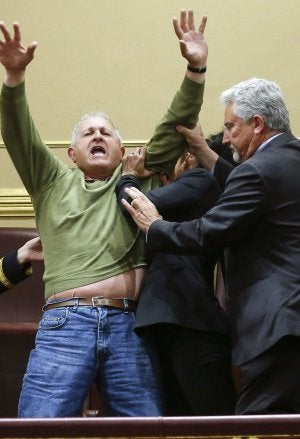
(265, 143)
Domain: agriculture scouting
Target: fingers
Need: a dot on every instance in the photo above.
(183, 20)
(33, 243)
(17, 31)
(128, 207)
(134, 193)
(5, 31)
(203, 24)
(191, 23)
(135, 213)
(140, 151)
(187, 23)
(183, 130)
(177, 28)
(139, 200)
(143, 151)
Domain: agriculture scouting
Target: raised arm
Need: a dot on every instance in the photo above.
(14, 56)
(167, 144)
(35, 163)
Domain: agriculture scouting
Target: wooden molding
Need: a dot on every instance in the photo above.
(66, 143)
(15, 203)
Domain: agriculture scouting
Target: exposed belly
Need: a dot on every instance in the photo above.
(124, 285)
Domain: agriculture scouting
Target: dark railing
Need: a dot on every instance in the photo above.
(277, 426)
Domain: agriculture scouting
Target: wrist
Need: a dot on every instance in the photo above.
(200, 70)
(13, 79)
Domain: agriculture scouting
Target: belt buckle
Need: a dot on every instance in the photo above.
(126, 306)
(96, 301)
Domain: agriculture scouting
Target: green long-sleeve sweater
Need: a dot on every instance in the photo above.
(85, 236)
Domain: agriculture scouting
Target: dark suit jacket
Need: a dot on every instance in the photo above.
(11, 272)
(257, 220)
(221, 171)
(179, 287)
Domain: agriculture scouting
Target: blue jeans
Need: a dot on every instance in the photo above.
(78, 345)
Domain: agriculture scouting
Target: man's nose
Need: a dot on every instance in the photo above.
(226, 137)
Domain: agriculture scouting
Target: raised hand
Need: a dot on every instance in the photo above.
(192, 43)
(14, 56)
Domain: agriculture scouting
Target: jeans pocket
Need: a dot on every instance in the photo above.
(54, 318)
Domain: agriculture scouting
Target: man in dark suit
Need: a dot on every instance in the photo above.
(257, 222)
(177, 308)
(16, 266)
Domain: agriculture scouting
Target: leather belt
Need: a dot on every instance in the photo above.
(124, 304)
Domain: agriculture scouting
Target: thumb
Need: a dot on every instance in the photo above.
(31, 48)
(143, 152)
(183, 130)
(183, 47)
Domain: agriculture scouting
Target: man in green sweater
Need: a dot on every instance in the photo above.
(94, 258)
(16, 266)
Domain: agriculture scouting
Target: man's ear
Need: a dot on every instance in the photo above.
(71, 154)
(122, 148)
(259, 124)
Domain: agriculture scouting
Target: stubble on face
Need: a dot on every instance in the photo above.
(239, 133)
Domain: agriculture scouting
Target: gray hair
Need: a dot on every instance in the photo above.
(259, 96)
(88, 116)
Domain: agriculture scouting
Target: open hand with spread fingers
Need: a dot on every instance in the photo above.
(193, 45)
(14, 56)
(142, 210)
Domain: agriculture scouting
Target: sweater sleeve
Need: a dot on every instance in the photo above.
(35, 163)
(167, 144)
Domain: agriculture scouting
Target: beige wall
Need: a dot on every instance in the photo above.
(122, 57)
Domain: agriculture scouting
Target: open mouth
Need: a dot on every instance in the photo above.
(98, 151)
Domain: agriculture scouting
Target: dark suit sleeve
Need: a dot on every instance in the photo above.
(11, 272)
(196, 186)
(124, 182)
(234, 215)
(221, 172)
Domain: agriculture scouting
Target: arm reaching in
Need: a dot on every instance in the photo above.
(167, 144)
(14, 56)
(198, 146)
(16, 266)
(31, 251)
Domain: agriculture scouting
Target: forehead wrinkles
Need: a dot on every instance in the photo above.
(95, 123)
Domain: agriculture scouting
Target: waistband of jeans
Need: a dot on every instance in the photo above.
(122, 303)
